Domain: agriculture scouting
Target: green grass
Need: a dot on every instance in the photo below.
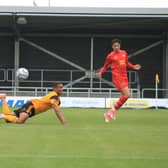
(137, 139)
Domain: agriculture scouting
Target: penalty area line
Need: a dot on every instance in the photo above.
(80, 157)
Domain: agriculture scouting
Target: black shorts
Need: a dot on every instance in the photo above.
(26, 108)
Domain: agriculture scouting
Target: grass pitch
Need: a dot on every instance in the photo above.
(137, 139)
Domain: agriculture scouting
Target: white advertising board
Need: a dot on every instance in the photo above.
(83, 102)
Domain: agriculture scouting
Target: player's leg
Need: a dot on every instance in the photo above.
(22, 118)
(9, 118)
(2, 96)
(20, 115)
(122, 86)
(23, 113)
(5, 107)
(14, 119)
(125, 94)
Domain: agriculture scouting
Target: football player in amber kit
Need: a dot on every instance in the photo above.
(34, 107)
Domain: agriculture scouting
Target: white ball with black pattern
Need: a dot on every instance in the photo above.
(22, 73)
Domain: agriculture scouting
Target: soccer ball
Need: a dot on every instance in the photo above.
(22, 73)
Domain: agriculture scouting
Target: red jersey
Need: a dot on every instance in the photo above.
(118, 62)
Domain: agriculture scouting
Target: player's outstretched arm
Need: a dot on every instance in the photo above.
(104, 68)
(98, 75)
(137, 67)
(59, 114)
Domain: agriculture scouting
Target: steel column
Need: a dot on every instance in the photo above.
(165, 65)
(16, 61)
(91, 61)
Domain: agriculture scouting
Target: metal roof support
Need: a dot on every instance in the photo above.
(59, 58)
(165, 64)
(16, 62)
(91, 61)
(52, 54)
(151, 36)
(145, 48)
(98, 11)
(76, 81)
(96, 15)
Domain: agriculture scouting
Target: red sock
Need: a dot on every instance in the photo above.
(120, 102)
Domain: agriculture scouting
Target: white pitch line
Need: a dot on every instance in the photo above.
(94, 129)
(81, 157)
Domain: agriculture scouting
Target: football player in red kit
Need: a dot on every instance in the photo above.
(117, 60)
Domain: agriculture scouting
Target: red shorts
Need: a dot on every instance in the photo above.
(120, 82)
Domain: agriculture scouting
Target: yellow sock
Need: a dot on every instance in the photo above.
(5, 108)
(10, 118)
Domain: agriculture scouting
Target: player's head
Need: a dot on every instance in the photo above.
(116, 44)
(58, 87)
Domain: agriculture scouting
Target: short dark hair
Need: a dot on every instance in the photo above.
(116, 41)
(56, 84)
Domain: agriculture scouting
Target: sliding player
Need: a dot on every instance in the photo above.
(34, 107)
(117, 60)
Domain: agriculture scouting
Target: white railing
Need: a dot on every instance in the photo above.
(77, 92)
(87, 92)
(43, 77)
(3, 75)
(105, 92)
(153, 90)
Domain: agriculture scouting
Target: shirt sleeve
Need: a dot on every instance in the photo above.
(129, 64)
(54, 100)
(106, 64)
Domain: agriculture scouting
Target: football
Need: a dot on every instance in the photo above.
(22, 73)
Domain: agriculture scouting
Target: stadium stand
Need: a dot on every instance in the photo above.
(61, 44)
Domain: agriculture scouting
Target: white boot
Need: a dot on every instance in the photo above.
(1, 116)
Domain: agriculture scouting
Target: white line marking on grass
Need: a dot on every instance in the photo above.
(98, 129)
(80, 157)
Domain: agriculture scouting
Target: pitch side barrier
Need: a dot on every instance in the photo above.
(86, 102)
(68, 92)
